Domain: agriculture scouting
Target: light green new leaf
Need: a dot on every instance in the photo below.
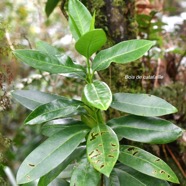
(91, 42)
(50, 5)
(54, 126)
(31, 99)
(53, 110)
(92, 25)
(79, 18)
(124, 52)
(146, 163)
(46, 48)
(145, 129)
(141, 104)
(49, 177)
(98, 95)
(84, 174)
(45, 62)
(102, 148)
(50, 154)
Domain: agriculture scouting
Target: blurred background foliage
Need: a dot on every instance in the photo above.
(24, 22)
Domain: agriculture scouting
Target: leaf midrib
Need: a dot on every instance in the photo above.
(55, 150)
(143, 160)
(111, 58)
(56, 65)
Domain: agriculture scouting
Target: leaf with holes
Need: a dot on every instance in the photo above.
(84, 174)
(49, 177)
(124, 52)
(142, 104)
(146, 163)
(145, 129)
(54, 126)
(98, 95)
(91, 42)
(102, 148)
(31, 99)
(56, 109)
(50, 154)
(143, 178)
(79, 18)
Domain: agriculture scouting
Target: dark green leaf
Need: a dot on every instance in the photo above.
(56, 109)
(145, 129)
(49, 177)
(84, 174)
(45, 62)
(80, 18)
(50, 154)
(50, 5)
(54, 126)
(31, 99)
(124, 52)
(102, 148)
(146, 163)
(91, 42)
(98, 95)
(145, 179)
(141, 104)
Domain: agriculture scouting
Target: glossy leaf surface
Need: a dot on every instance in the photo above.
(53, 110)
(44, 62)
(102, 148)
(84, 174)
(146, 163)
(79, 18)
(54, 126)
(145, 129)
(124, 52)
(50, 154)
(141, 104)
(98, 95)
(91, 42)
(143, 178)
(31, 99)
(49, 177)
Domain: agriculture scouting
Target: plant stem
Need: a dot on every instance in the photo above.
(89, 73)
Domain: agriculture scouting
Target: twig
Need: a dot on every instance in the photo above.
(176, 161)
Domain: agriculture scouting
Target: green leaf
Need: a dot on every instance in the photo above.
(53, 110)
(50, 154)
(98, 95)
(143, 178)
(31, 99)
(79, 18)
(146, 163)
(127, 179)
(50, 6)
(124, 52)
(92, 25)
(49, 177)
(91, 42)
(46, 48)
(45, 62)
(145, 129)
(84, 174)
(141, 104)
(54, 126)
(102, 148)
